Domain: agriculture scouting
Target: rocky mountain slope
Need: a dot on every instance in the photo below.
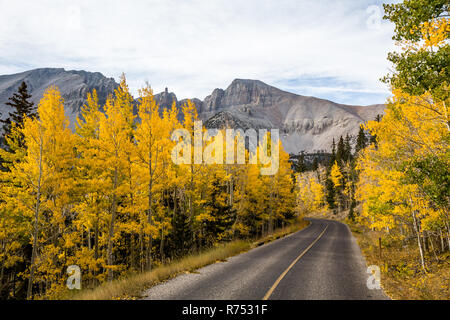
(74, 86)
(306, 123)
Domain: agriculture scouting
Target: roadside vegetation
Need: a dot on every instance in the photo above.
(110, 199)
(402, 276)
(132, 286)
(395, 186)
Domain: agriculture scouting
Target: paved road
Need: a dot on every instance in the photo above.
(322, 261)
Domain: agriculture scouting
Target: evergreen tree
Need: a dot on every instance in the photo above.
(22, 108)
(340, 152)
(330, 193)
(301, 165)
(351, 213)
(221, 214)
(180, 239)
(315, 164)
(333, 153)
(361, 141)
(347, 148)
(373, 137)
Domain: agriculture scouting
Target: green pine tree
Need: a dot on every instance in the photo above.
(300, 165)
(333, 154)
(22, 108)
(340, 152)
(347, 148)
(315, 164)
(361, 141)
(330, 193)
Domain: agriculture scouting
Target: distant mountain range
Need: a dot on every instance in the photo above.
(306, 123)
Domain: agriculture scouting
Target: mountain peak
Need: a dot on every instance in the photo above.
(246, 83)
(306, 123)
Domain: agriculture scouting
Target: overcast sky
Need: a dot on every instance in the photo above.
(325, 48)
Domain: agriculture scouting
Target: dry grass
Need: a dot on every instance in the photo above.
(402, 276)
(132, 286)
(280, 233)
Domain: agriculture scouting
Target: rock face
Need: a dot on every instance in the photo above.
(74, 86)
(306, 123)
(166, 99)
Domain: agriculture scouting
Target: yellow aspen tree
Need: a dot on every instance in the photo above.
(195, 166)
(336, 175)
(45, 180)
(256, 197)
(338, 181)
(282, 185)
(115, 145)
(310, 193)
(14, 232)
(236, 184)
(153, 144)
(92, 203)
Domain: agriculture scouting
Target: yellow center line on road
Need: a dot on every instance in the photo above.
(269, 293)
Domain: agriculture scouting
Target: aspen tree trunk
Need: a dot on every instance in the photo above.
(270, 223)
(232, 191)
(150, 212)
(191, 209)
(446, 116)
(442, 240)
(141, 249)
(36, 226)
(416, 228)
(424, 242)
(161, 247)
(94, 281)
(270, 226)
(14, 284)
(2, 273)
(150, 240)
(175, 202)
(230, 186)
(130, 182)
(448, 235)
(89, 239)
(174, 213)
(132, 252)
(110, 257)
(432, 247)
(96, 237)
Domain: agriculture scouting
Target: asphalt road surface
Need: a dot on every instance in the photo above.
(322, 261)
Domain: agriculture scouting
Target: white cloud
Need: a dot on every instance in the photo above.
(195, 46)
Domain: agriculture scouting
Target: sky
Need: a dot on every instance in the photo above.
(332, 49)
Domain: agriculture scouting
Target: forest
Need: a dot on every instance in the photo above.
(396, 182)
(108, 198)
